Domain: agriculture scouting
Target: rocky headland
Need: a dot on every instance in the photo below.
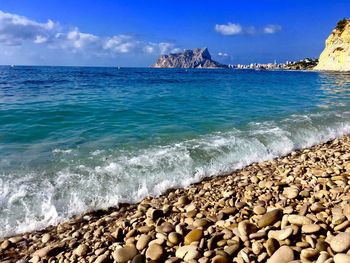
(294, 208)
(336, 55)
(196, 58)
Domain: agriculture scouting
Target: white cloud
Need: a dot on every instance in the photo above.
(229, 29)
(17, 30)
(222, 54)
(272, 29)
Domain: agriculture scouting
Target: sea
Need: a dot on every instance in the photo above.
(77, 139)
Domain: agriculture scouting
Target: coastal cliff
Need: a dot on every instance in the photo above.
(196, 58)
(336, 55)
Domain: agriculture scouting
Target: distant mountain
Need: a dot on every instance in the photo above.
(336, 55)
(196, 58)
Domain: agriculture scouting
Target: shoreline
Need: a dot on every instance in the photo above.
(291, 205)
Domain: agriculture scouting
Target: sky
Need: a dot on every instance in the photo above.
(134, 33)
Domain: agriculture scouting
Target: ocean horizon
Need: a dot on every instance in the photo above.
(76, 139)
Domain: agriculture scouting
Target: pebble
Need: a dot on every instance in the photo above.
(310, 228)
(299, 220)
(124, 254)
(46, 238)
(342, 258)
(270, 218)
(290, 192)
(143, 241)
(154, 252)
(257, 214)
(194, 235)
(174, 238)
(283, 255)
(341, 242)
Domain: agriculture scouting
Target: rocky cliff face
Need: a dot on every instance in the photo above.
(197, 58)
(336, 55)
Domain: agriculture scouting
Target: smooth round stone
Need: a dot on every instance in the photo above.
(174, 238)
(183, 200)
(102, 259)
(246, 228)
(81, 250)
(290, 192)
(310, 254)
(309, 229)
(5, 244)
(194, 235)
(187, 252)
(271, 246)
(45, 238)
(341, 242)
(220, 259)
(124, 254)
(259, 210)
(154, 252)
(283, 255)
(341, 258)
(299, 220)
(143, 242)
(270, 218)
(229, 210)
(201, 222)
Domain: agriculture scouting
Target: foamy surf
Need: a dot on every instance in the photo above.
(32, 200)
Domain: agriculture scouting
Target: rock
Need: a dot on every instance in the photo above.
(187, 252)
(259, 210)
(15, 240)
(154, 214)
(143, 242)
(283, 255)
(124, 254)
(335, 56)
(246, 228)
(290, 192)
(309, 229)
(174, 238)
(81, 250)
(197, 58)
(183, 200)
(270, 218)
(154, 252)
(310, 254)
(341, 242)
(139, 259)
(203, 222)
(50, 250)
(342, 258)
(102, 259)
(220, 259)
(5, 244)
(299, 220)
(271, 246)
(194, 235)
(45, 238)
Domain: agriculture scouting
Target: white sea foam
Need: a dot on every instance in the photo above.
(32, 201)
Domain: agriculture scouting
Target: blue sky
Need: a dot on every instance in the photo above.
(134, 33)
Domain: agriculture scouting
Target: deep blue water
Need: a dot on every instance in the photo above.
(77, 138)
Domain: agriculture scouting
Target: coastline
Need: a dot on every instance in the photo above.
(295, 205)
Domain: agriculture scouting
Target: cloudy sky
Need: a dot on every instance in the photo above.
(135, 33)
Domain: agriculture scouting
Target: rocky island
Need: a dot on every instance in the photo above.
(336, 55)
(196, 58)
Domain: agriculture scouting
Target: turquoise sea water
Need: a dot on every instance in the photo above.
(74, 139)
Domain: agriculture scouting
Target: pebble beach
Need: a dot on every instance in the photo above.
(294, 208)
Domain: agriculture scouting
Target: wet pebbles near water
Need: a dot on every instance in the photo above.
(291, 209)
